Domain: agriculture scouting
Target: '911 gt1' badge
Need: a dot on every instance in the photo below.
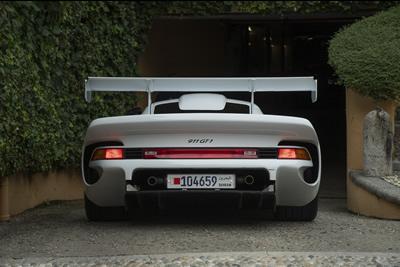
(200, 141)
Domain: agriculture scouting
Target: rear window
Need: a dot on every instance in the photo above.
(229, 108)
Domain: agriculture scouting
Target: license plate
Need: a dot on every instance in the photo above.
(202, 181)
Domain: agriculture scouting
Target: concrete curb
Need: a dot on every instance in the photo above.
(218, 259)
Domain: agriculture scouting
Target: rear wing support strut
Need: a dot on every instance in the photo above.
(150, 88)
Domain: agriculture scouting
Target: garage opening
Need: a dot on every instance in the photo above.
(205, 47)
(298, 48)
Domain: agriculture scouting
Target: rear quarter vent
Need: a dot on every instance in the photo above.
(91, 176)
(310, 174)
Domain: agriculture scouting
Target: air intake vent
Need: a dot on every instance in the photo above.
(133, 153)
(267, 153)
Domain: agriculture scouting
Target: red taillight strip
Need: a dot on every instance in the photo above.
(203, 153)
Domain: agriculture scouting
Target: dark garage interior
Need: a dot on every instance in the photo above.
(221, 47)
(296, 49)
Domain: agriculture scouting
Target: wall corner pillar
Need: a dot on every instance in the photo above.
(357, 107)
(4, 203)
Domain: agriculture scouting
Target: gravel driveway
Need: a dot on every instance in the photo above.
(60, 229)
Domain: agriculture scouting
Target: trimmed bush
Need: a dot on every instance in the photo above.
(366, 54)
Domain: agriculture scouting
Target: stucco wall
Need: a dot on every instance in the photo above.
(365, 203)
(359, 200)
(357, 107)
(25, 192)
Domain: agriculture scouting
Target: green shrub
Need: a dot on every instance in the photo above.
(366, 54)
(48, 49)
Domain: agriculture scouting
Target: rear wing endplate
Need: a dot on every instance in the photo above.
(252, 85)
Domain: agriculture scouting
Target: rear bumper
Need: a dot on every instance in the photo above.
(162, 199)
(287, 176)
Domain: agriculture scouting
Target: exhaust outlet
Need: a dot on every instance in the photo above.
(249, 180)
(152, 181)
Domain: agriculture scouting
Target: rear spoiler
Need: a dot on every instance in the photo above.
(252, 85)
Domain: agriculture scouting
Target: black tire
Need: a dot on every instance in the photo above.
(97, 213)
(304, 213)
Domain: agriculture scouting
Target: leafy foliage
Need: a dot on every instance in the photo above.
(274, 7)
(49, 48)
(366, 54)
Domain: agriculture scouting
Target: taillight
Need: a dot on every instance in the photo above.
(213, 153)
(293, 153)
(108, 153)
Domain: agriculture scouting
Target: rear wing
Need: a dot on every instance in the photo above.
(149, 85)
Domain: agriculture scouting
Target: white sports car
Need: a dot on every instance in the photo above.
(201, 150)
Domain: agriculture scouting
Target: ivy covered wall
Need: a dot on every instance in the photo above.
(48, 49)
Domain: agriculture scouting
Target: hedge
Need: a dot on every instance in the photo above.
(366, 54)
(49, 48)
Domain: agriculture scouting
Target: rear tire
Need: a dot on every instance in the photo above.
(97, 213)
(291, 213)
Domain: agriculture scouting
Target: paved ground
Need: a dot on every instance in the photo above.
(59, 235)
